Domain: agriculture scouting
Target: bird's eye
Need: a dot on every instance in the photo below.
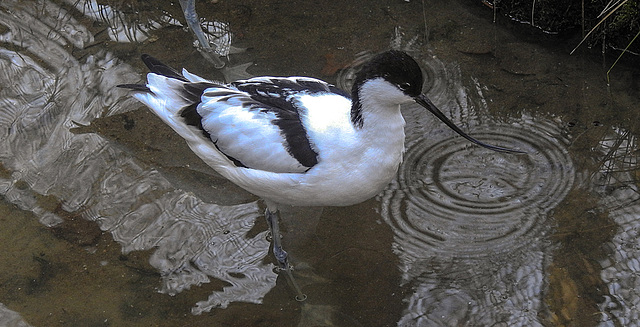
(404, 86)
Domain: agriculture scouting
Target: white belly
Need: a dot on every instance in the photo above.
(323, 187)
(356, 169)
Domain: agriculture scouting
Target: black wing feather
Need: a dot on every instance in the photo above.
(157, 67)
(273, 96)
(276, 97)
(135, 87)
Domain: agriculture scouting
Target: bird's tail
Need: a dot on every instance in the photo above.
(174, 97)
(168, 92)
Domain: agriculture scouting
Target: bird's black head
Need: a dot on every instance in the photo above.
(401, 71)
(396, 67)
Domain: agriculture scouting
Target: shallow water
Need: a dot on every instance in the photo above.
(107, 219)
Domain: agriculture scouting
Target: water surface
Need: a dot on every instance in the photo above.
(107, 219)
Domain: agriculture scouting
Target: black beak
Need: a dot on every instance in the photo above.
(425, 102)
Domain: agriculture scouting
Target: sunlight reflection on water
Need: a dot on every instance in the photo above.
(52, 92)
(617, 183)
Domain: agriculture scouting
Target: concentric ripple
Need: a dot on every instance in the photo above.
(460, 199)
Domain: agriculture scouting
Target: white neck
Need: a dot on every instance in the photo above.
(379, 105)
(382, 128)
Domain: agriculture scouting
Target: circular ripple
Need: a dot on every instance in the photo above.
(458, 198)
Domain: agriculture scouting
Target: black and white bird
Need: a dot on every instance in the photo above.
(295, 140)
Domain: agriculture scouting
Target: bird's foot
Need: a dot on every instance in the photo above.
(288, 269)
(281, 255)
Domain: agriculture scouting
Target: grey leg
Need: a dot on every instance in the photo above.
(278, 252)
(281, 254)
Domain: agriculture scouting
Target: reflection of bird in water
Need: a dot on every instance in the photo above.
(297, 140)
(189, 10)
(131, 21)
